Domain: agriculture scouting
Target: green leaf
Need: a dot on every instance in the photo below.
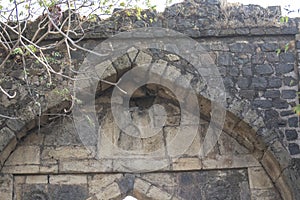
(297, 109)
(278, 51)
(122, 4)
(286, 47)
(286, 19)
(17, 51)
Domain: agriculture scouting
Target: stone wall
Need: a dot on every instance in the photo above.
(260, 88)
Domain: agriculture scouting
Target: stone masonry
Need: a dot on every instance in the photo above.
(257, 156)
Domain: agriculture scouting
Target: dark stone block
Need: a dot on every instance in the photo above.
(289, 94)
(260, 103)
(290, 30)
(258, 58)
(274, 82)
(247, 70)
(271, 115)
(273, 30)
(287, 57)
(248, 94)
(264, 69)
(293, 121)
(294, 149)
(225, 59)
(234, 71)
(64, 192)
(281, 123)
(287, 113)
(291, 135)
(227, 32)
(214, 184)
(257, 31)
(57, 192)
(228, 82)
(284, 68)
(274, 11)
(298, 44)
(280, 104)
(272, 57)
(243, 83)
(272, 94)
(259, 83)
(126, 183)
(15, 124)
(269, 47)
(289, 81)
(242, 31)
(241, 47)
(271, 119)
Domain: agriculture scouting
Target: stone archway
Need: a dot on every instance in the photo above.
(57, 163)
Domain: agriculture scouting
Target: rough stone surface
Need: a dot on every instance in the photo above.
(261, 90)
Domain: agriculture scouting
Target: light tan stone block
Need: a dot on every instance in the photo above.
(85, 166)
(230, 161)
(6, 186)
(156, 193)
(283, 188)
(66, 152)
(21, 169)
(141, 186)
(147, 164)
(187, 164)
(68, 179)
(258, 178)
(19, 179)
(182, 141)
(51, 168)
(110, 192)
(143, 59)
(33, 139)
(37, 179)
(271, 165)
(25, 155)
(98, 182)
(156, 179)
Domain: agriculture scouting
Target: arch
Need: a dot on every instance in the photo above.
(271, 156)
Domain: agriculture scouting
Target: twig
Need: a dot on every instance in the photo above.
(8, 117)
(8, 95)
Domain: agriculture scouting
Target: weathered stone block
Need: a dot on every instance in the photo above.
(271, 165)
(25, 155)
(6, 135)
(259, 83)
(66, 152)
(183, 164)
(264, 69)
(81, 166)
(272, 94)
(291, 134)
(258, 178)
(6, 186)
(110, 192)
(294, 148)
(36, 179)
(21, 169)
(68, 179)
